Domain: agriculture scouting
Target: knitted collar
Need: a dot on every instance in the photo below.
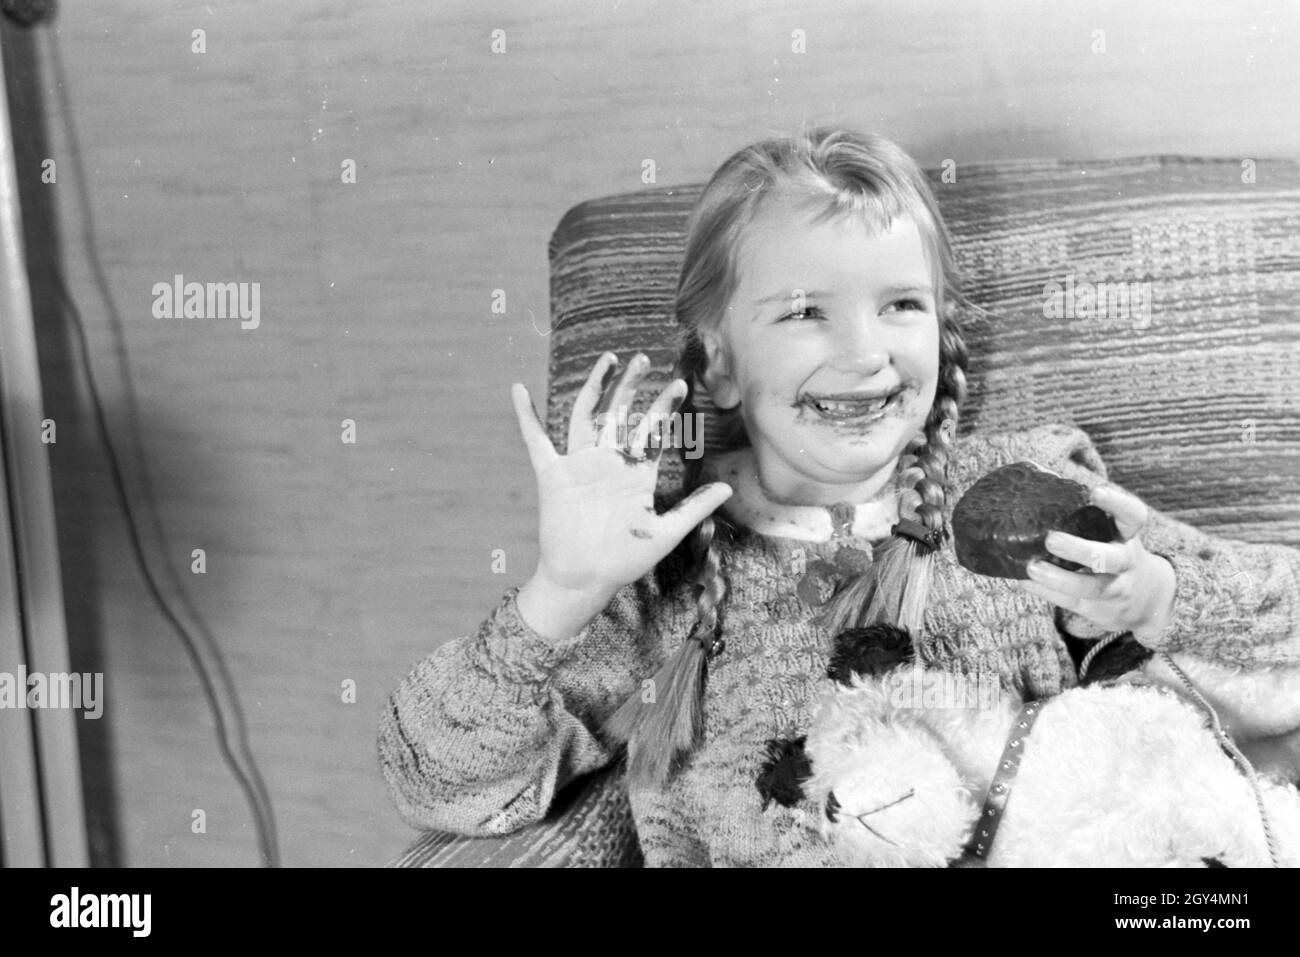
(751, 507)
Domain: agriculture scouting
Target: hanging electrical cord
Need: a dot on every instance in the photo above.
(232, 734)
(250, 781)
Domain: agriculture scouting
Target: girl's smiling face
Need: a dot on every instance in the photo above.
(824, 311)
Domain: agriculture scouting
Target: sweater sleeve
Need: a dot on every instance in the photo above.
(482, 733)
(1235, 603)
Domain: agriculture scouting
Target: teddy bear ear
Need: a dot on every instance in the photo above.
(782, 774)
(869, 652)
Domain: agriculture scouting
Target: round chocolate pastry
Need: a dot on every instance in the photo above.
(1000, 524)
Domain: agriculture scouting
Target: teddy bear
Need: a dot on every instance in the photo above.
(900, 759)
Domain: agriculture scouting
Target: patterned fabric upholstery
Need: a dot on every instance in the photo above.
(1186, 380)
(1193, 405)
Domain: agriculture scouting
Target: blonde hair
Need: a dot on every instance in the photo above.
(842, 173)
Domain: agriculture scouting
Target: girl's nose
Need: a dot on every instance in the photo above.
(858, 350)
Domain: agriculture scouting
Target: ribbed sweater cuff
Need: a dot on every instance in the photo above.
(1212, 595)
(519, 655)
(1193, 611)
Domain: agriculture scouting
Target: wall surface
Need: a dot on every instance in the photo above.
(329, 562)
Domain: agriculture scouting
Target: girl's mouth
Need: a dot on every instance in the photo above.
(857, 412)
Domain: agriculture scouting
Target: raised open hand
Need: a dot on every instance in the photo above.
(598, 528)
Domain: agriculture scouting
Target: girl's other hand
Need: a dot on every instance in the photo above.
(598, 528)
(1126, 588)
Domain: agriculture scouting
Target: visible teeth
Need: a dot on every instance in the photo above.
(852, 408)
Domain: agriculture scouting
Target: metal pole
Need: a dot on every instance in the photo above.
(34, 581)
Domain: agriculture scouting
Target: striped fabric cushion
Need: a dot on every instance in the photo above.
(589, 826)
(1185, 378)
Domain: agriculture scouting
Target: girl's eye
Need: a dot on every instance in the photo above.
(809, 312)
(814, 312)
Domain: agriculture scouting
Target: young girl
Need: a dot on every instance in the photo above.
(820, 308)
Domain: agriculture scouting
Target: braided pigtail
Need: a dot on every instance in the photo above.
(896, 587)
(661, 723)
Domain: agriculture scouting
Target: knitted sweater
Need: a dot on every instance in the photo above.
(479, 737)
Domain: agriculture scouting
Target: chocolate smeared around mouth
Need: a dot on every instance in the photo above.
(850, 410)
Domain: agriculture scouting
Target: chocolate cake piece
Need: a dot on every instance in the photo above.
(1000, 524)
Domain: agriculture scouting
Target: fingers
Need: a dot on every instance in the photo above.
(1060, 599)
(1114, 592)
(540, 450)
(1128, 510)
(1113, 602)
(1048, 581)
(1100, 558)
(618, 401)
(659, 416)
(695, 508)
(582, 424)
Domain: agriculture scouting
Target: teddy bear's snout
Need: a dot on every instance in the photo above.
(833, 808)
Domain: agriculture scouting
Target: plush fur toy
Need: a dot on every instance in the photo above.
(1111, 775)
(1260, 709)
